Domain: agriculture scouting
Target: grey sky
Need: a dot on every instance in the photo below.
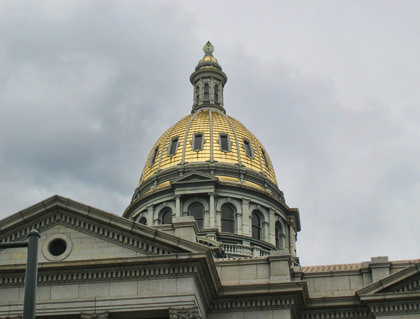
(329, 87)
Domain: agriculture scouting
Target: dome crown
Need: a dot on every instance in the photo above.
(208, 80)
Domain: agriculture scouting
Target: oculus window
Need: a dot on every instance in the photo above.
(197, 211)
(172, 146)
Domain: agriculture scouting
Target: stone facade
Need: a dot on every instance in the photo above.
(208, 234)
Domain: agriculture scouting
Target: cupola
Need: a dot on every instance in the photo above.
(208, 80)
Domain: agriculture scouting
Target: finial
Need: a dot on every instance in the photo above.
(208, 48)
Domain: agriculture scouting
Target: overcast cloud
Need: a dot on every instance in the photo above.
(331, 88)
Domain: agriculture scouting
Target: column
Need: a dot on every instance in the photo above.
(292, 238)
(212, 211)
(246, 227)
(178, 205)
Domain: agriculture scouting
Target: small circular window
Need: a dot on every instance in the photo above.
(57, 247)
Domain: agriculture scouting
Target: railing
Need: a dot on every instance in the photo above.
(237, 250)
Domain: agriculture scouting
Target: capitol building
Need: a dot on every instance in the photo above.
(207, 234)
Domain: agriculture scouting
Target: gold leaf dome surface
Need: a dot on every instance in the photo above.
(211, 124)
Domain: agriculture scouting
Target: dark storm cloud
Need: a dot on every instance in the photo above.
(87, 87)
(84, 95)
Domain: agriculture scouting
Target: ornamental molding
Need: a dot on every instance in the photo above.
(387, 309)
(82, 273)
(247, 303)
(118, 230)
(95, 315)
(336, 314)
(184, 313)
(403, 282)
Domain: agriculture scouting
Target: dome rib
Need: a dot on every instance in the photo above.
(236, 138)
(211, 136)
(163, 146)
(186, 136)
(258, 151)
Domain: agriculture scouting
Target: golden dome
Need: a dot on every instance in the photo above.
(220, 139)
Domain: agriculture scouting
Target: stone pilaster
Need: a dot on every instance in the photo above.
(212, 211)
(178, 206)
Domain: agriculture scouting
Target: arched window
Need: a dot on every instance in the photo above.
(197, 93)
(165, 216)
(279, 235)
(197, 211)
(256, 224)
(143, 220)
(206, 92)
(216, 93)
(228, 218)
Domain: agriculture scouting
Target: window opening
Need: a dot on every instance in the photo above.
(197, 211)
(155, 153)
(256, 225)
(206, 92)
(197, 93)
(228, 218)
(173, 146)
(216, 93)
(166, 216)
(279, 234)
(265, 158)
(224, 142)
(57, 247)
(248, 148)
(198, 142)
(143, 220)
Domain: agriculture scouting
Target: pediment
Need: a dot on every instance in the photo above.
(194, 177)
(406, 281)
(91, 232)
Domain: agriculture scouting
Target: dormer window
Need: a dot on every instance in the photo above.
(216, 94)
(224, 142)
(248, 148)
(155, 153)
(172, 146)
(265, 158)
(198, 141)
(206, 92)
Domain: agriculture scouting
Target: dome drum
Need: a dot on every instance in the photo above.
(235, 234)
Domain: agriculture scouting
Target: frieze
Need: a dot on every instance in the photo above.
(184, 313)
(49, 277)
(254, 303)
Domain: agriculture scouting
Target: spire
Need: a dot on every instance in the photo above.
(208, 80)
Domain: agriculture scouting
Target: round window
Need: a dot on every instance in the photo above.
(57, 247)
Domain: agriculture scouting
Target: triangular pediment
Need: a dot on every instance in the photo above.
(402, 282)
(194, 177)
(92, 233)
